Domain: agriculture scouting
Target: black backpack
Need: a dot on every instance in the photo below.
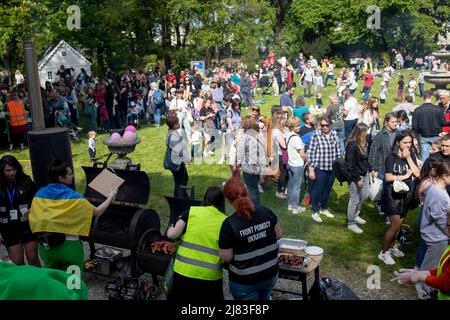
(340, 171)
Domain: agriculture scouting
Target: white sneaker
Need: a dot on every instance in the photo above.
(397, 252)
(316, 217)
(221, 161)
(280, 195)
(360, 220)
(299, 210)
(285, 191)
(386, 257)
(326, 213)
(10, 147)
(260, 188)
(387, 221)
(205, 153)
(290, 208)
(355, 229)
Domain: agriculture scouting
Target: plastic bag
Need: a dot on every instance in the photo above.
(331, 289)
(375, 188)
(168, 277)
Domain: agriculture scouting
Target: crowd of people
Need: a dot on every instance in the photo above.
(302, 149)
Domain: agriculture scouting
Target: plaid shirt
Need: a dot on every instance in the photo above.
(323, 151)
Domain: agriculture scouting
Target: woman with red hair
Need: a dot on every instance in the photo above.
(248, 242)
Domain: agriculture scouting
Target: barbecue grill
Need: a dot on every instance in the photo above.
(122, 225)
(157, 263)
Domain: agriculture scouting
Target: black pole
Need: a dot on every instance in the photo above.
(34, 88)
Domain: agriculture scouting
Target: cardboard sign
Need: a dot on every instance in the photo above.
(105, 182)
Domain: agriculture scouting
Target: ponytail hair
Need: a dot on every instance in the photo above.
(439, 168)
(236, 192)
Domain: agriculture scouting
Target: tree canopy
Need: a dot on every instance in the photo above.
(129, 33)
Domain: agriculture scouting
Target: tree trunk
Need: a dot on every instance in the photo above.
(217, 49)
(178, 34)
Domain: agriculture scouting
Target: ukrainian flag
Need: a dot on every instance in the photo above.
(58, 208)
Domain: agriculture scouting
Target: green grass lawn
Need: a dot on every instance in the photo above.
(344, 250)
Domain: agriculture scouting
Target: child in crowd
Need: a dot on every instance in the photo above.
(92, 142)
(436, 146)
(401, 85)
(319, 102)
(318, 82)
(306, 133)
(383, 92)
(132, 115)
(195, 141)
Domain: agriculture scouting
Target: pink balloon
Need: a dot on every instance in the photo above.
(115, 137)
(130, 128)
(128, 137)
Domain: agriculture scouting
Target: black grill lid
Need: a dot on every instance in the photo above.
(135, 189)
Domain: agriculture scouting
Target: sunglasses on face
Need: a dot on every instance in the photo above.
(324, 125)
(253, 109)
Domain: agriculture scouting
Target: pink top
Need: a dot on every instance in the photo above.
(423, 188)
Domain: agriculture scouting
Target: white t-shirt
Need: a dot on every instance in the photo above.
(196, 136)
(295, 144)
(275, 134)
(309, 74)
(351, 105)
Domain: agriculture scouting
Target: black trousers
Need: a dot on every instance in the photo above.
(180, 178)
(189, 289)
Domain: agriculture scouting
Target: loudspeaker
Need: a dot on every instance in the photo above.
(45, 143)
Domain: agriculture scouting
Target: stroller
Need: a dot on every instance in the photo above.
(63, 121)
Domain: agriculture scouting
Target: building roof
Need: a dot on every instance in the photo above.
(50, 53)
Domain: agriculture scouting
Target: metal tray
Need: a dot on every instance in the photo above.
(292, 246)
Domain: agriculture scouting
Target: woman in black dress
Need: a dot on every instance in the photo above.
(401, 165)
(16, 194)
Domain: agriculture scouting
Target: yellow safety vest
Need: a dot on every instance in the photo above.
(198, 253)
(441, 295)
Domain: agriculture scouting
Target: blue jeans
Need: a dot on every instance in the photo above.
(294, 186)
(366, 93)
(259, 291)
(157, 115)
(251, 182)
(340, 130)
(321, 188)
(425, 146)
(422, 246)
(348, 126)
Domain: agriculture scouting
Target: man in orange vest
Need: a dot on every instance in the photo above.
(17, 120)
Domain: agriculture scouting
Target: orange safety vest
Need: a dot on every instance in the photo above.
(17, 115)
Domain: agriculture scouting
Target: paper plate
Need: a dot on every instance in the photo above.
(314, 251)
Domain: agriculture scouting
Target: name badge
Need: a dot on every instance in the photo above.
(13, 215)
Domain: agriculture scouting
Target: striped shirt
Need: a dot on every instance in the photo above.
(324, 150)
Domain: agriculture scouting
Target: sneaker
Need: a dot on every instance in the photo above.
(360, 220)
(10, 147)
(285, 191)
(326, 213)
(280, 195)
(299, 210)
(386, 257)
(260, 188)
(397, 252)
(221, 161)
(22, 146)
(205, 153)
(355, 229)
(387, 221)
(290, 208)
(316, 217)
(307, 200)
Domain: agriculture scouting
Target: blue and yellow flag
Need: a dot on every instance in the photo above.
(58, 208)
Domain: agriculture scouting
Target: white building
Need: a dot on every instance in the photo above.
(62, 54)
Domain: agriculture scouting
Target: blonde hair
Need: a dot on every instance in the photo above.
(277, 120)
(92, 134)
(293, 122)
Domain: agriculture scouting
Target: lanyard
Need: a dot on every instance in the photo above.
(11, 196)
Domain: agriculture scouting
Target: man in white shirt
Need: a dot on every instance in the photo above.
(313, 62)
(351, 112)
